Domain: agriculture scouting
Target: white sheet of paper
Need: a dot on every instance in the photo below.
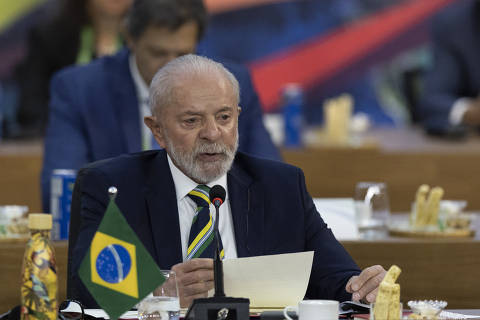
(100, 313)
(133, 314)
(339, 215)
(273, 281)
(454, 315)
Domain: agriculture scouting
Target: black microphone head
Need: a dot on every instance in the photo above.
(217, 193)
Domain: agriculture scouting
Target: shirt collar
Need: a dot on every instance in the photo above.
(183, 184)
(140, 85)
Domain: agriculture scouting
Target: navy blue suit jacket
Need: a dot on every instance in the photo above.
(271, 209)
(94, 115)
(456, 66)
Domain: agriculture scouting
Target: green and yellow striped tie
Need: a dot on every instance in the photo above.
(200, 240)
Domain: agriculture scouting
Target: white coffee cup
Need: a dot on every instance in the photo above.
(314, 310)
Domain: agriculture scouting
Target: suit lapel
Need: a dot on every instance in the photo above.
(126, 103)
(246, 202)
(163, 211)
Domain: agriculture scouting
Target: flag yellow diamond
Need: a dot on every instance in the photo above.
(114, 264)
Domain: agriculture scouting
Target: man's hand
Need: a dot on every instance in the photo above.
(194, 279)
(365, 285)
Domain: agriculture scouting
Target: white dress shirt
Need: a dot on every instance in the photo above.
(142, 96)
(187, 208)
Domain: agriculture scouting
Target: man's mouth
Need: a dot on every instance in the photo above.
(210, 156)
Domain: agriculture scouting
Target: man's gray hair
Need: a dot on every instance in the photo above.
(162, 86)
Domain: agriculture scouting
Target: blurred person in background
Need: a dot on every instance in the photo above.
(451, 99)
(97, 110)
(80, 31)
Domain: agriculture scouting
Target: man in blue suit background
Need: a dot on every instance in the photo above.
(267, 210)
(97, 110)
(451, 98)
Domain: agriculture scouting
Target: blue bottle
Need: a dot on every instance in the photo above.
(62, 183)
(292, 114)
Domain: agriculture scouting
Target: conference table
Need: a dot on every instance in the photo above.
(444, 269)
(432, 268)
(402, 158)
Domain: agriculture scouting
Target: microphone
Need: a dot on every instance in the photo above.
(217, 197)
(219, 306)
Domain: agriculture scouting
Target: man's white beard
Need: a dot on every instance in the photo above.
(197, 170)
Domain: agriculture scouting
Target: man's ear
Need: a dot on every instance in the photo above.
(239, 110)
(152, 124)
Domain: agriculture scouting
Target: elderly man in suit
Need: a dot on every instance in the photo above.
(97, 110)
(451, 98)
(267, 209)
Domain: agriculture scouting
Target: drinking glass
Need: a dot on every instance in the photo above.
(164, 304)
(372, 207)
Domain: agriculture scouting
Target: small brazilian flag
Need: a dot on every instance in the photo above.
(117, 269)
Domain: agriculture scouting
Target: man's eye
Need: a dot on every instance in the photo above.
(190, 120)
(224, 117)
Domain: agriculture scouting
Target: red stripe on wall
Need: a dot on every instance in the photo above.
(320, 58)
(219, 6)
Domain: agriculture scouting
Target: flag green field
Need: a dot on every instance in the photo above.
(117, 269)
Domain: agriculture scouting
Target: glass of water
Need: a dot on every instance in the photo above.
(164, 304)
(372, 207)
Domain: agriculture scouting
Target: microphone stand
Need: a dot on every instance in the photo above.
(217, 263)
(218, 307)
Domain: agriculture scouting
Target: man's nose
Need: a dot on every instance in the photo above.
(210, 130)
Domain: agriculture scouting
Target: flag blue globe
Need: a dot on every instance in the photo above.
(113, 263)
